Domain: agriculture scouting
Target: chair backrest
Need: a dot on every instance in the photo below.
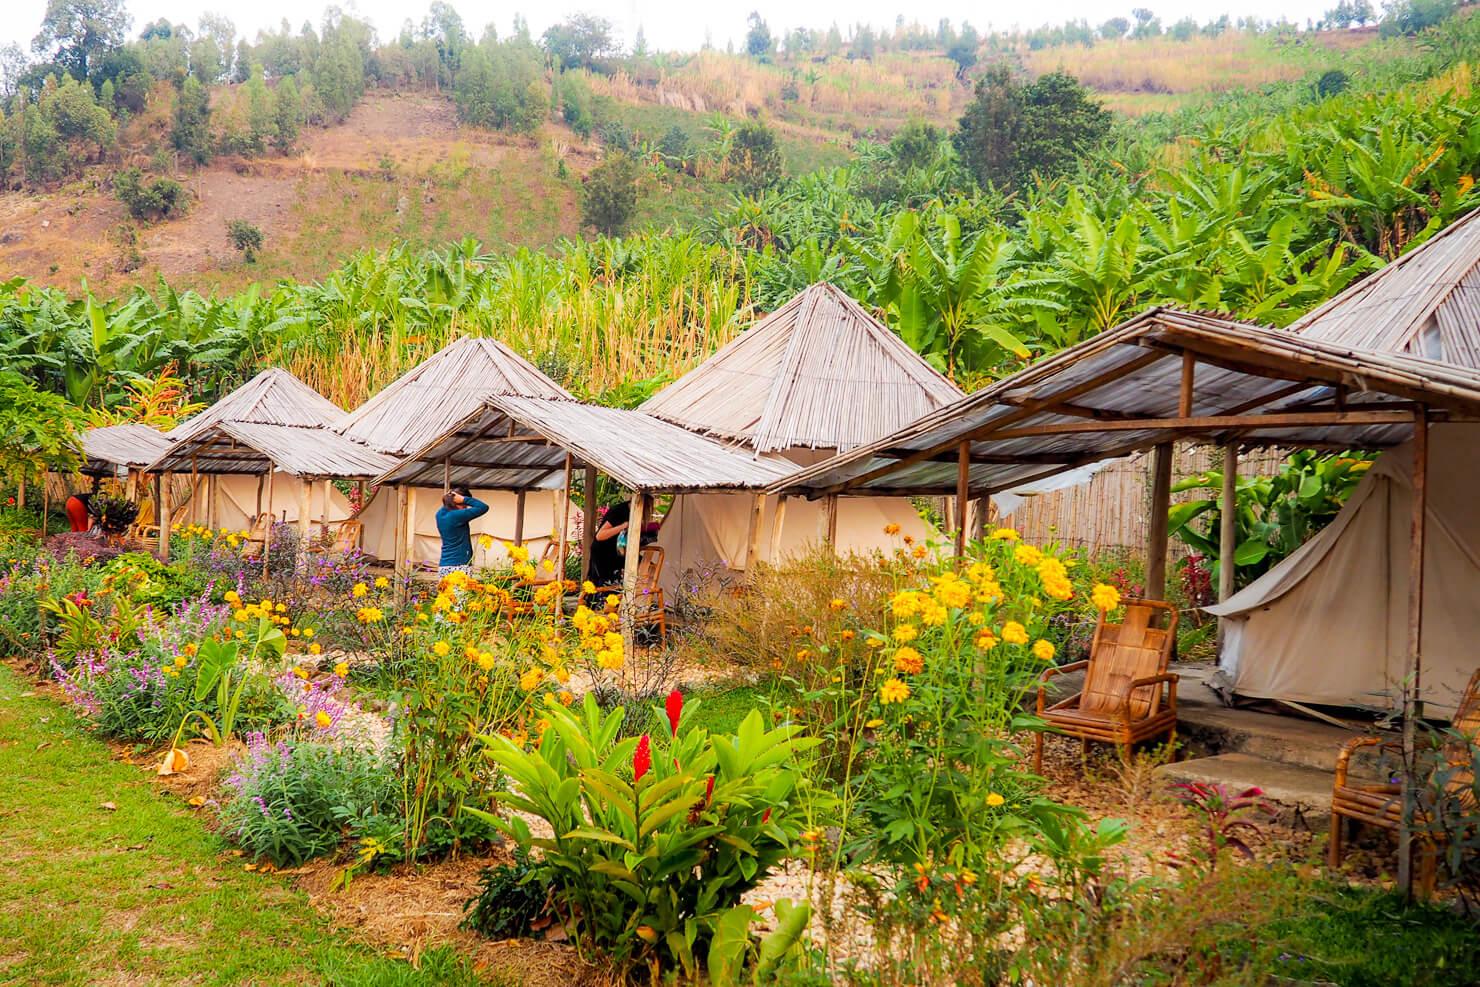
(347, 537)
(258, 530)
(1466, 723)
(1124, 652)
(649, 568)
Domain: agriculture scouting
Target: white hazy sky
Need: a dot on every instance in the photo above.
(674, 24)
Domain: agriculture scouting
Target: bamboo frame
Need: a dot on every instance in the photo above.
(637, 515)
(1227, 533)
(1413, 699)
(588, 522)
(162, 498)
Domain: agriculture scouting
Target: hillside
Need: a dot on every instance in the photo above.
(400, 168)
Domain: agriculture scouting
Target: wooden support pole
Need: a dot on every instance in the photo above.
(305, 517)
(271, 517)
(827, 524)
(519, 517)
(324, 511)
(1227, 533)
(963, 495)
(588, 520)
(446, 474)
(564, 532)
(1184, 396)
(194, 489)
(753, 535)
(629, 572)
(261, 479)
(162, 513)
(399, 545)
(982, 510)
(1413, 694)
(1156, 541)
(778, 521)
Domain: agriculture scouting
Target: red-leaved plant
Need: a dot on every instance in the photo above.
(1223, 817)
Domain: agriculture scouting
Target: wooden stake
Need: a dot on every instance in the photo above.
(777, 523)
(305, 516)
(194, 489)
(162, 513)
(1413, 695)
(20, 496)
(629, 573)
(519, 517)
(827, 523)
(588, 525)
(1184, 396)
(446, 474)
(399, 549)
(1156, 547)
(271, 517)
(1227, 533)
(261, 479)
(963, 495)
(753, 535)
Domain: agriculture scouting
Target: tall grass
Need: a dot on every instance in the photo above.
(1164, 65)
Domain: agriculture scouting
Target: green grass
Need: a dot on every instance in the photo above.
(722, 710)
(142, 893)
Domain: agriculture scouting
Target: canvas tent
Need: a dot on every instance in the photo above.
(817, 376)
(266, 446)
(422, 406)
(1328, 625)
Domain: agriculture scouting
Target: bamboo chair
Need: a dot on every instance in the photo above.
(545, 573)
(256, 541)
(149, 528)
(1381, 804)
(345, 539)
(1121, 702)
(651, 608)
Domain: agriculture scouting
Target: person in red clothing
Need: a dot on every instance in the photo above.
(79, 509)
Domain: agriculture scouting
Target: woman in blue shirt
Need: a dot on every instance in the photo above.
(458, 511)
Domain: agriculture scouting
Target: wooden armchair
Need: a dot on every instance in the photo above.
(1121, 702)
(256, 540)
(650, 604)
(147, 526)
(1381, 803)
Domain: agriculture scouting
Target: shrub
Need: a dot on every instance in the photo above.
(655, 839)
(754, 159)
(162, 198)
(509, 899)
(609, 194)
(244, 237)
(295, 800)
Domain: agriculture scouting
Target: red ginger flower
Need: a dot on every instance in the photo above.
(674, 706)
(642, 758)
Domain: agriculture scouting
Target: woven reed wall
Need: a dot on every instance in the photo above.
(1112, 510)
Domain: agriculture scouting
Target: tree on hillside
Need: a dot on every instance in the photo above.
(191, 134)
(754, 159)
(261, 119)
(1114, 28)
(1009, 132)
(758, 40)
(501, 89)
(609, 194)
(76, 34)
(214, 48)
(962, 50)
(287, 115)
(1148, 25)
(578, 41)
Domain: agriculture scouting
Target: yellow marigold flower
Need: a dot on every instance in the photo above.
(232, 596)
(297, 633)
(893, 691)
(1105, 597)
(1004, 534)
(314, 648)
(979, 572)
(875, 642)
(360, 589)
(905, 632)
(905, 603)
(891, 529)
(181, 661)
(324, 720)
(994, 800)
(838, 606)
(441, 648)
(240, 615)
(190, 649)
(281, 608)
(486, 660)
(873, 724)
(847, 635)
(921, 551)
(1014, 633)
(541, 725)
(932, 614)
(308, 632)
(566, 697)
(519, 553)
(486, 541)
(1043, 650)
(803, 655)
(301, 672)
(613, 601)
(609, 659)
(1027, 555)
(612, 639)
(953, 593)
(530, 680)
(588, 587)
(985, 639)
(908, 661)
(561, 675)
(381, 582)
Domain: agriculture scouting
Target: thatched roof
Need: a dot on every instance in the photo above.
(1426, 303)
(441, 391)
(1122, 391)
(514, 443)
(250, 447)
(820, 372)
(132, 446)
(273, 397)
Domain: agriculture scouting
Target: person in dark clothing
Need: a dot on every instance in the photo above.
(458, 511)
(608, 560)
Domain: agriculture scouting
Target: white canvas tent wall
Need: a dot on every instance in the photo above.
(1328, 625)
(417, 409)
(817, 376)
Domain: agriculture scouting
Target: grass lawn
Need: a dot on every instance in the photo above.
(108, 879)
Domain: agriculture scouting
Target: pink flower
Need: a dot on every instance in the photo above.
(674, 706)
(642, 758)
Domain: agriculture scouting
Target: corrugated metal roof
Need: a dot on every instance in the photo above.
(1425, 304)
(521, 442)
(820, 372)
(441, 391)
(1085, 403)
(132, 445)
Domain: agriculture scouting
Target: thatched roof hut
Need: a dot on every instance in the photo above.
(1426, 303)
(440, 392)
(818, 373)
(132, 446)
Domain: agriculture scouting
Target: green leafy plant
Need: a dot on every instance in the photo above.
(222, 671)
(654, 842)
(509, 900)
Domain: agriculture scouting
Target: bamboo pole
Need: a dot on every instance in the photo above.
(1413, 696)
(778, 521)
(564, 535)
(629, 572)
(446, 473)
(261, 479)
(1227, 533)
(827, 523)
(983, 509)
(1156, 541)
(519, 517)
(194, 489)
(324, 511)
(588, 525)
(963, 495)
(399, 551)
(162, 514)
(305, 517)
(753, 535)
(271, 516)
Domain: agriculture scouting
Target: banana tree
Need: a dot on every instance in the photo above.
(1274, 514)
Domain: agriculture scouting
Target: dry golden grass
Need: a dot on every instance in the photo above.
(1162, 65)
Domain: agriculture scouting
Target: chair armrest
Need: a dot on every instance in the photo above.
(1343, 759)
(1134, 684)
(1050, 672)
